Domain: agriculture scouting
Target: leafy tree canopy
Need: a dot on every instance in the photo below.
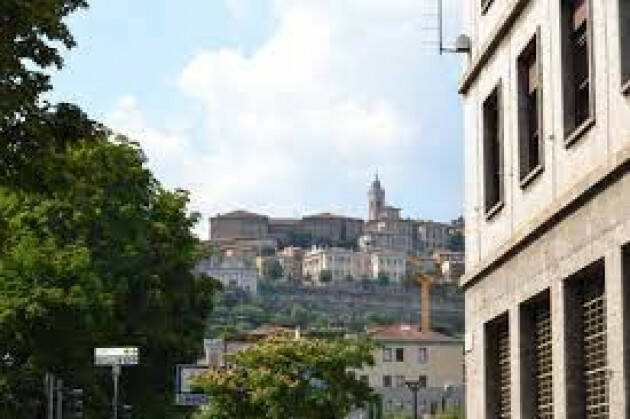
(288, 378)
(101, 255)
(325, 275)
(272, 269)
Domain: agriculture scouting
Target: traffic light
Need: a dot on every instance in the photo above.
(74, 399)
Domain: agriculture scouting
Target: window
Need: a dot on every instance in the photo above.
(387, 381)
(387, 354)
(576, 63)
(535, 329)
(485, 5)
(498, 376)
(400, 354)
(364, 379)
(493, 152)
(530, 110)
(422, 355)
(585, 337)
(624, 29)
(423, 381)
(399, 380)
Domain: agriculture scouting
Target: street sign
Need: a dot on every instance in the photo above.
(115, 356)
(184, 395)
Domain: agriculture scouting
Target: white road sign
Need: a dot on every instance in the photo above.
(116, 356)
(184, 395)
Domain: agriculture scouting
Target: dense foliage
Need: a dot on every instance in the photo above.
(289, 378)
(93, 251)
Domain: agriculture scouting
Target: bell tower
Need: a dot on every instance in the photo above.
(376, 199)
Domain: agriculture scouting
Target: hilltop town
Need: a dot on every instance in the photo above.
(316, 250)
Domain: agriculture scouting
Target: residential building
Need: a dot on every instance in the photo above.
(342, 264)
(547, 204)
(390, 263)
(291, 260)
(432, 235)
(406, 354)
(231, 271)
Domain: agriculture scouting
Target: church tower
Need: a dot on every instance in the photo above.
(376, 199)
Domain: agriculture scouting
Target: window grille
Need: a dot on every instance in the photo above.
(498, 377)
(594, 340)
(503, 355)
(543, 371)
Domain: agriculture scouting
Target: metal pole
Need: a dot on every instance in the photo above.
(115, 376)
(50, 395)
(59, 399)
(415, 404)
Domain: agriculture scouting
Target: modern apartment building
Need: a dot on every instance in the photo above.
(547, 208)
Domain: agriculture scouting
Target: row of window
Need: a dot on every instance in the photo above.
(578, 98)
(399, 381)
(585, 352)
(399, 355)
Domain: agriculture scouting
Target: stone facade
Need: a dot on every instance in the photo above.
(546, 304)
(231, 272)
(346, 264)
(403, 354)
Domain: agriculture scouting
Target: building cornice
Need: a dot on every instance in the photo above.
(490, 46)
(617, 165)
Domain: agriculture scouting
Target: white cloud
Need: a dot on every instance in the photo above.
(330, 96)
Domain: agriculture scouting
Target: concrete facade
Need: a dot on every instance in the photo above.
(435, 357)
(573, 215)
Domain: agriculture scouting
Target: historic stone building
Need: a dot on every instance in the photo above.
(547, 208)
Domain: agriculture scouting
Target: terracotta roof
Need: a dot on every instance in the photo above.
(405, 332)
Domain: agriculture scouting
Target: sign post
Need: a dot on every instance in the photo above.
(184, 395)
(116, 358)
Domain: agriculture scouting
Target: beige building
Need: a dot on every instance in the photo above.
(231, 271)
(390, 263)
(406, 354)
(345, 264)
(291, 259)
(325, 228)
(341, 263)
(433, 235)
(547, 208)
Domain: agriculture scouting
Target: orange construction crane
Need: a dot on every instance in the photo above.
(425, 282)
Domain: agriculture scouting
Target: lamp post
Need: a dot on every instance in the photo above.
(414, 386)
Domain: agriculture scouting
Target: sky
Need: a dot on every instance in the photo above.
(281, 107)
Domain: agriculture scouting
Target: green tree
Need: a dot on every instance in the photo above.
(325, 276)
(383, 279)
(100, 255)
(288, 378)
(272, 269)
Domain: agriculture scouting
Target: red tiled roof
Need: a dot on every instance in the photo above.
(403, 332)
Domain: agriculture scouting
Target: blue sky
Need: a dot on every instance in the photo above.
(283, 107)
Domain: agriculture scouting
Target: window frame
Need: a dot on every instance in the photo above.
(495, 207)
(624, 45)
(529, 173)
(423, 360)
(387, 381)
(485, 6)
(574, 131)
(387, 354)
